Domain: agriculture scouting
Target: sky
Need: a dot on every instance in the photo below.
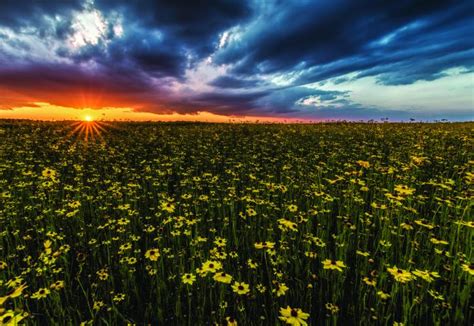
(245, 60)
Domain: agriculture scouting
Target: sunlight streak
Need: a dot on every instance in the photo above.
(88, 130)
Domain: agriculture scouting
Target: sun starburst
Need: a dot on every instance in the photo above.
(88, 129)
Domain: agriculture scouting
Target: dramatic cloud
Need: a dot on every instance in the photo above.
(302, 59)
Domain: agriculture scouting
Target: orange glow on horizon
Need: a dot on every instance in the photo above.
(46, 111)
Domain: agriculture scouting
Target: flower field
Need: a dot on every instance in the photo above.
(236, 224)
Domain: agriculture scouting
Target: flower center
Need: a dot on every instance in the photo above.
(6, 319)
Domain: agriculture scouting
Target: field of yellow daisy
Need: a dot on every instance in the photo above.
(236, 224)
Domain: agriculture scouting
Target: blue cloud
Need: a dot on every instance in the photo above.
(260, 56)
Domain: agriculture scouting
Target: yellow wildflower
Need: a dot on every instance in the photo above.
(264, 245)
(400, 275)
(333, 264)
(280, 289)
(426, 275)
(469, 268)
(293, 316)
(286, 225)
(222, 277)
(152, 254)
(240, 288)
(41, 293)
(188, 278)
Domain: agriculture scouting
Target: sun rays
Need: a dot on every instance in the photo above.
(88, 129)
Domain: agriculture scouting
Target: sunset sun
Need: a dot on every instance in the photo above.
(87, 128)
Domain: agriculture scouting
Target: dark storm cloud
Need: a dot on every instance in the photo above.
(194, 24)
(149, 54)
(301, 42)
(232, 82)
(405, 72)
(18, 13)
(229, 103)
(333, 38)
(318, 33)
(162, 38)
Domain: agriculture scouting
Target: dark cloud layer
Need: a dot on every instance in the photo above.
(337, 37)
(147, 63)
(17, 13)
(233, 82)
(194, 24)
